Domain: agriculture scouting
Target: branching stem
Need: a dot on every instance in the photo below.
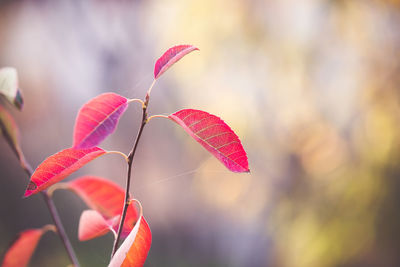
(129, 174)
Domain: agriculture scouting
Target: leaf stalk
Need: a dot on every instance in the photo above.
(157, 116)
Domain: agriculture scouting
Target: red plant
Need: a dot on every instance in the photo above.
(111, 208)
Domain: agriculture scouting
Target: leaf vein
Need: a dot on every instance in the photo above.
(208, 127)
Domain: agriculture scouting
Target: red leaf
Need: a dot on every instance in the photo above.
(170, 57)
(92, 224)
(215, 135)
(21, 250)
(105, 197)
(9, 129)
(133, 251)
(97, 119)
(59, 166)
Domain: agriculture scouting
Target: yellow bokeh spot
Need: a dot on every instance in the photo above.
(218, 186)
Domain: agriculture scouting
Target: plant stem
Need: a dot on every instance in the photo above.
(56, 218)
(60, 228)
(128, 180)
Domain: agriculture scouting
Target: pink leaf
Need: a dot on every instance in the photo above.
(21, 250)
(106, 197)
(170, 57)
(133, 251)
(97, 119)
(59, 166)
(92, 224)
(215, 135)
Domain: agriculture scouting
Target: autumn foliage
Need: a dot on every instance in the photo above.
(111, 208)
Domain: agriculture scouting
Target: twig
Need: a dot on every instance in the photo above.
(54, 214)
(60, 228)
(130, 161)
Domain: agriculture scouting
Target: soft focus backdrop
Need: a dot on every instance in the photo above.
(311, 88)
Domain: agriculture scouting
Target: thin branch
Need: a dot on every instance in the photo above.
(54, 214)
(130, 162)
(128, 180)
(60, 228)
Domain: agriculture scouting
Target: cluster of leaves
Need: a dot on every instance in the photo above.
(111, 207)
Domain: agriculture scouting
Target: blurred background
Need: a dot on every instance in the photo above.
(311, 88)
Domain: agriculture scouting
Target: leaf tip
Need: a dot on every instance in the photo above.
(97, 119)
(30, 190)
(19, 101)
(170, 57)
(215, 136)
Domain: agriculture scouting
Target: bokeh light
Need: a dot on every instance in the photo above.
(310, 87)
